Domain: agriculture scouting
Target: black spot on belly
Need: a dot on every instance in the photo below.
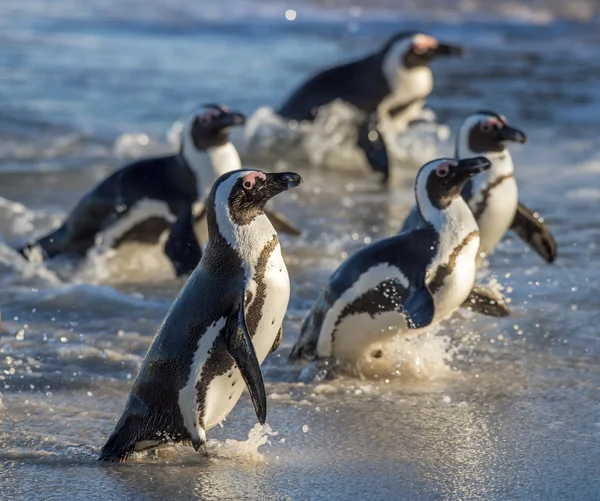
(230, 374)
(377, 354)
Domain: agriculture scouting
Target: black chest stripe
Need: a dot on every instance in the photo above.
(218, 360)
(486, 193)
(446, 270)
(387, 296)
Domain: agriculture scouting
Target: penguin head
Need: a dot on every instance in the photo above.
(238, 197)
(371, 142)
(486, 132)
(210, 126)
(439, 182)
(412, 49)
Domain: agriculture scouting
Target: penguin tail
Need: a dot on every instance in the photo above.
(118, 448)
(306, 346)
(122, 442)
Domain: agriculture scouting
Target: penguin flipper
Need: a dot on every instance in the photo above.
(182, 246)
(281, 223)
(531, 229)
(239, 346)
(485, 301)
(418, 307)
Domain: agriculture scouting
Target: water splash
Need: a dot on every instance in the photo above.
(327, 142)
(246, 450)
(422, 357)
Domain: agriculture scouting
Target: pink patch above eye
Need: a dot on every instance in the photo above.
(489, 124)
(423, 43)
(208, 115)
(249, 180)
(447, 164)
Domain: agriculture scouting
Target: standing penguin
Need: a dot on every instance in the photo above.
(395, 80)
(223, 324)
(143, 199)
(493, 196)
(405, 282)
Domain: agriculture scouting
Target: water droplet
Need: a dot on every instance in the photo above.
(305, 428)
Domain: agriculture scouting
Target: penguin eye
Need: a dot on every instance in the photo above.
(204, 120)
(442, 170)
(489, 125)
(248, 185)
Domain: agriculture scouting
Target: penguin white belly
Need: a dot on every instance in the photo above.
(225, 390)
(498, 215)
(137, 213)
(458, 284)
(355, 332)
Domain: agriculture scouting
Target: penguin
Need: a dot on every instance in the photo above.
(493, 196)
(143, 199)
(396, 80)
(226, 320)
(405, 282)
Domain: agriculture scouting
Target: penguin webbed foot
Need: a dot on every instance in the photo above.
(418, 308)
(486, 302)
(182, 247)
(199, 445)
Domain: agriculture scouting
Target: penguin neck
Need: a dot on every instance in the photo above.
(407, 84)
(247, 240)
(502, 166)
(453, 223)
(207, 165)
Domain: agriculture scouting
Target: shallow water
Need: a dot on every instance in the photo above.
(481, 409)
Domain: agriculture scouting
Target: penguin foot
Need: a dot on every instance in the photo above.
(486, 302)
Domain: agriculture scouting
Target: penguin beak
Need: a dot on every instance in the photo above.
(469, 167)
(278, 182)
(508, 133)
(231, 119)
(444, 49)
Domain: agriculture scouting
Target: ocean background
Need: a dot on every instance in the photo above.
(481, 409)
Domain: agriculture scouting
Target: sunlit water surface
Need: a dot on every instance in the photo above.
(480, 409)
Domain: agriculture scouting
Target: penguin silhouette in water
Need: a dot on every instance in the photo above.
(394, 82)
(493, 197)
(402, 283)
(225, 321)
(143, 199)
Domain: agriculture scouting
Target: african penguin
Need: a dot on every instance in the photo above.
(225, 321)
(143, 199)
(405, 282)
(493, 196)
(396, 79)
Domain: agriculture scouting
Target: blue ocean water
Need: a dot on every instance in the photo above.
(486, 409)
